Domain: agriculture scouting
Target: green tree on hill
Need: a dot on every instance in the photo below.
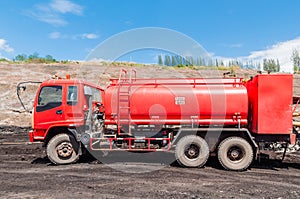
(160, 62)
(270, 65)
(21, 57)
(49, 59)
(167, 60)
(34, 58)
(296, 60)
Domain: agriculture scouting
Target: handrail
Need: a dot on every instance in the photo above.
(186, 80)
(192, 82)
(132, 71)
(122, 71)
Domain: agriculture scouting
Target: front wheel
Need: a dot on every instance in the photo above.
(235, 153)
(192, 151)
(63, 149)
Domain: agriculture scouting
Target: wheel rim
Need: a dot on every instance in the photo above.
(64, 149)
(235, 154)
(192, 151)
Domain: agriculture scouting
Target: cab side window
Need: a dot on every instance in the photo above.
(96, 95)
(49, 97)
(72, 96)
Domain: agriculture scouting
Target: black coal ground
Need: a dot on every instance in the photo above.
(26, 172)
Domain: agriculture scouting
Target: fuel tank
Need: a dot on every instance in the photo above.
(195, 101)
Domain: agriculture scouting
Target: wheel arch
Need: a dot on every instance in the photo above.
(55, 130)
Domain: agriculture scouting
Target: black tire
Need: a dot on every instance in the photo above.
(192, 151)
(235, 154)
(63, 149)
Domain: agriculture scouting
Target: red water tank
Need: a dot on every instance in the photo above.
(199, 101)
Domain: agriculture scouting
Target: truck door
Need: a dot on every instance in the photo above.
(73, 109)
(49, 109)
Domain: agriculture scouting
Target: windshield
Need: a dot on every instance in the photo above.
(49, 97)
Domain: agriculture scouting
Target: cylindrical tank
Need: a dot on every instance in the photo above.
(199, 101)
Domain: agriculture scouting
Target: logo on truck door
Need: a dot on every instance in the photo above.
(179, 100)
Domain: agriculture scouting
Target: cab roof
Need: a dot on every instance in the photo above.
(70, 81)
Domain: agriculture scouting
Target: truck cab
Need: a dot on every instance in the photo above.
(60, 106)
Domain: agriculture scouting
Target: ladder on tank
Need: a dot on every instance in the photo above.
(123, 101)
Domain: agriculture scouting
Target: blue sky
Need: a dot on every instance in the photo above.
(70, 29)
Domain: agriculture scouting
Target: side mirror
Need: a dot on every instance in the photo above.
(24, 88)
(21, 87)
(88, 91)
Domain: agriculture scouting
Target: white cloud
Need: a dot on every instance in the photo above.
(128, 23)
(281, 51)
(52, 13)
(238, 45)
(45, 14)
(65, 6)
(58, 35)
(234, 45)
(55, 35)
(89, 36)
(5, 47)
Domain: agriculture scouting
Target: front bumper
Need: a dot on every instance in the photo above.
(31, 136)
(36, 135)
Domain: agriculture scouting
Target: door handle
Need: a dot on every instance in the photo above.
(59, 112)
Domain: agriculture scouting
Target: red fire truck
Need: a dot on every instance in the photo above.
(231, 118)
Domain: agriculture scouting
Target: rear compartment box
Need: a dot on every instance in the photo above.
(270, 100)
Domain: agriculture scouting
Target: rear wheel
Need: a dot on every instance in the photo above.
(192, 151)
(235, 153)
(63, 149)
